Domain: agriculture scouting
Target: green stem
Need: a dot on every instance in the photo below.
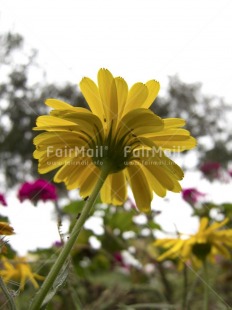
(39, 297)
(206, 286)
(165, 282)
(192, 290)
(7, 295)
(185, 287)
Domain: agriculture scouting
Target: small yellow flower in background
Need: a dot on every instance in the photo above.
(120, 130)
(208, 242)
(19, 271)
(6, 229)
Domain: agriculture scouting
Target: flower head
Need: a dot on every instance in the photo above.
(3, 200)
(6, 229)
(208, 242)
(58, 244)
(19, 270)
(119, 130)
(38, 190)
(191, 195)
(120, 261)
(211, 170)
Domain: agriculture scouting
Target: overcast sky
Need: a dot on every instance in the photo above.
(136, 39)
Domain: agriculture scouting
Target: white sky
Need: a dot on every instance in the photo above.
(136, 39)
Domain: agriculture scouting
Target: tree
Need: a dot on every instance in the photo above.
(21, 102)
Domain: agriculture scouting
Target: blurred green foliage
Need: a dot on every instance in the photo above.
(120, 272)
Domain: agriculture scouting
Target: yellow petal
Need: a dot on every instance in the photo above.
(54, 139)
(165, 177)
(138, 94)
(47, 120)
(6, 229)
(118, 188)
(170, 132)
(173, 252)
(106, 190)
(165, 242)
(197, 263)
(52, 162)
(75, 178)
(140, 186)
(22, 282)
(156, 186)
(122, 93)
(156, 158)
(114, 190)
(153, 89)
(217, 225)
(91, 93)
(91, 177)
(175, 143)
(87, 122)
(173, 122)
(203, 224)
(108, 94)
(139, 122)
(66, 171)
(63, 113)
(222, 249)
(59, 105)
(79, 122)
(73, 174)
(187, 248)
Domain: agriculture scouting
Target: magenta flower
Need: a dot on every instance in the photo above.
(119, 261)
(58, 244)
(38, 190)
(3, 200)
(191, 195)
(211, 170)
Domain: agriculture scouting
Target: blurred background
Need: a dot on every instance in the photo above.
(47, 47)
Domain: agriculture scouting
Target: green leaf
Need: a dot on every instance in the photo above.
(106, 279)
(153, 225)
(122, 220)
(83, 237)
(74, 207)
(8, 295)
(57, 285)
(227, 207)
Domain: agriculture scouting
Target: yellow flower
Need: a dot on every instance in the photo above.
(6, 229)
(208, 242)
(19, 271)
(120, 130)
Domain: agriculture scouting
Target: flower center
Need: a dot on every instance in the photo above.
(113, 151)
(117, 156)
(201, 250)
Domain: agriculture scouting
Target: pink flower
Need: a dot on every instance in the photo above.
(191, 195)
(38, 190)
(131, 204)
(119, 261)
(211, 170)
(58, 244)
(3, 200)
